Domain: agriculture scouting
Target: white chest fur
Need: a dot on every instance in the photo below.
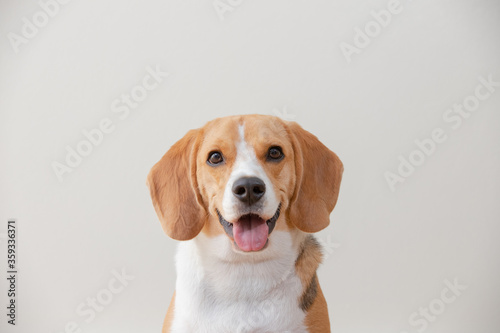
(220, 291)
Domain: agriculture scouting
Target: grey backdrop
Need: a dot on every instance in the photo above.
(369, 78)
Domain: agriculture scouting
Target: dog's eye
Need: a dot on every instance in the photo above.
(275, 154)
(215, 158)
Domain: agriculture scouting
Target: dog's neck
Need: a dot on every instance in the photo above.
(212, 279)
(220, 264)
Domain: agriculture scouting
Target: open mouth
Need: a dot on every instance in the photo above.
(250, 232)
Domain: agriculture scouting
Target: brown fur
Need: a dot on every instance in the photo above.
(174, 189)
(317, 320)
(312, 300)
(167, 322)
(319, 172)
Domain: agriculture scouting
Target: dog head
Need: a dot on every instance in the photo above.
(245, 176)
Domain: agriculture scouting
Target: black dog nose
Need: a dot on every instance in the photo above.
(249, 189)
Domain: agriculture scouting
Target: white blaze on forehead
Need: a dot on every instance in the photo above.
(247, 165)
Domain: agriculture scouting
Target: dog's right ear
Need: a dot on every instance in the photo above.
(174, 189)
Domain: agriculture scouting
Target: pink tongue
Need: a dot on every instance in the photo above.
(250, 233)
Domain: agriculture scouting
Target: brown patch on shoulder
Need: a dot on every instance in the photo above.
(317, 320)
(312, 301)
(309, 295)
(307, 263)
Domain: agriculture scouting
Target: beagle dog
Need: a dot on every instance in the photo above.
(244, 194)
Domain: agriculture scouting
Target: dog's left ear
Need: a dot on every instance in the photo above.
(174, 190)
(318, 173)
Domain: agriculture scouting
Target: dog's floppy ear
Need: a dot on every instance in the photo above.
(174, 189)
(318, 175)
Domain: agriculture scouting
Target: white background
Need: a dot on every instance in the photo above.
(388, 253)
